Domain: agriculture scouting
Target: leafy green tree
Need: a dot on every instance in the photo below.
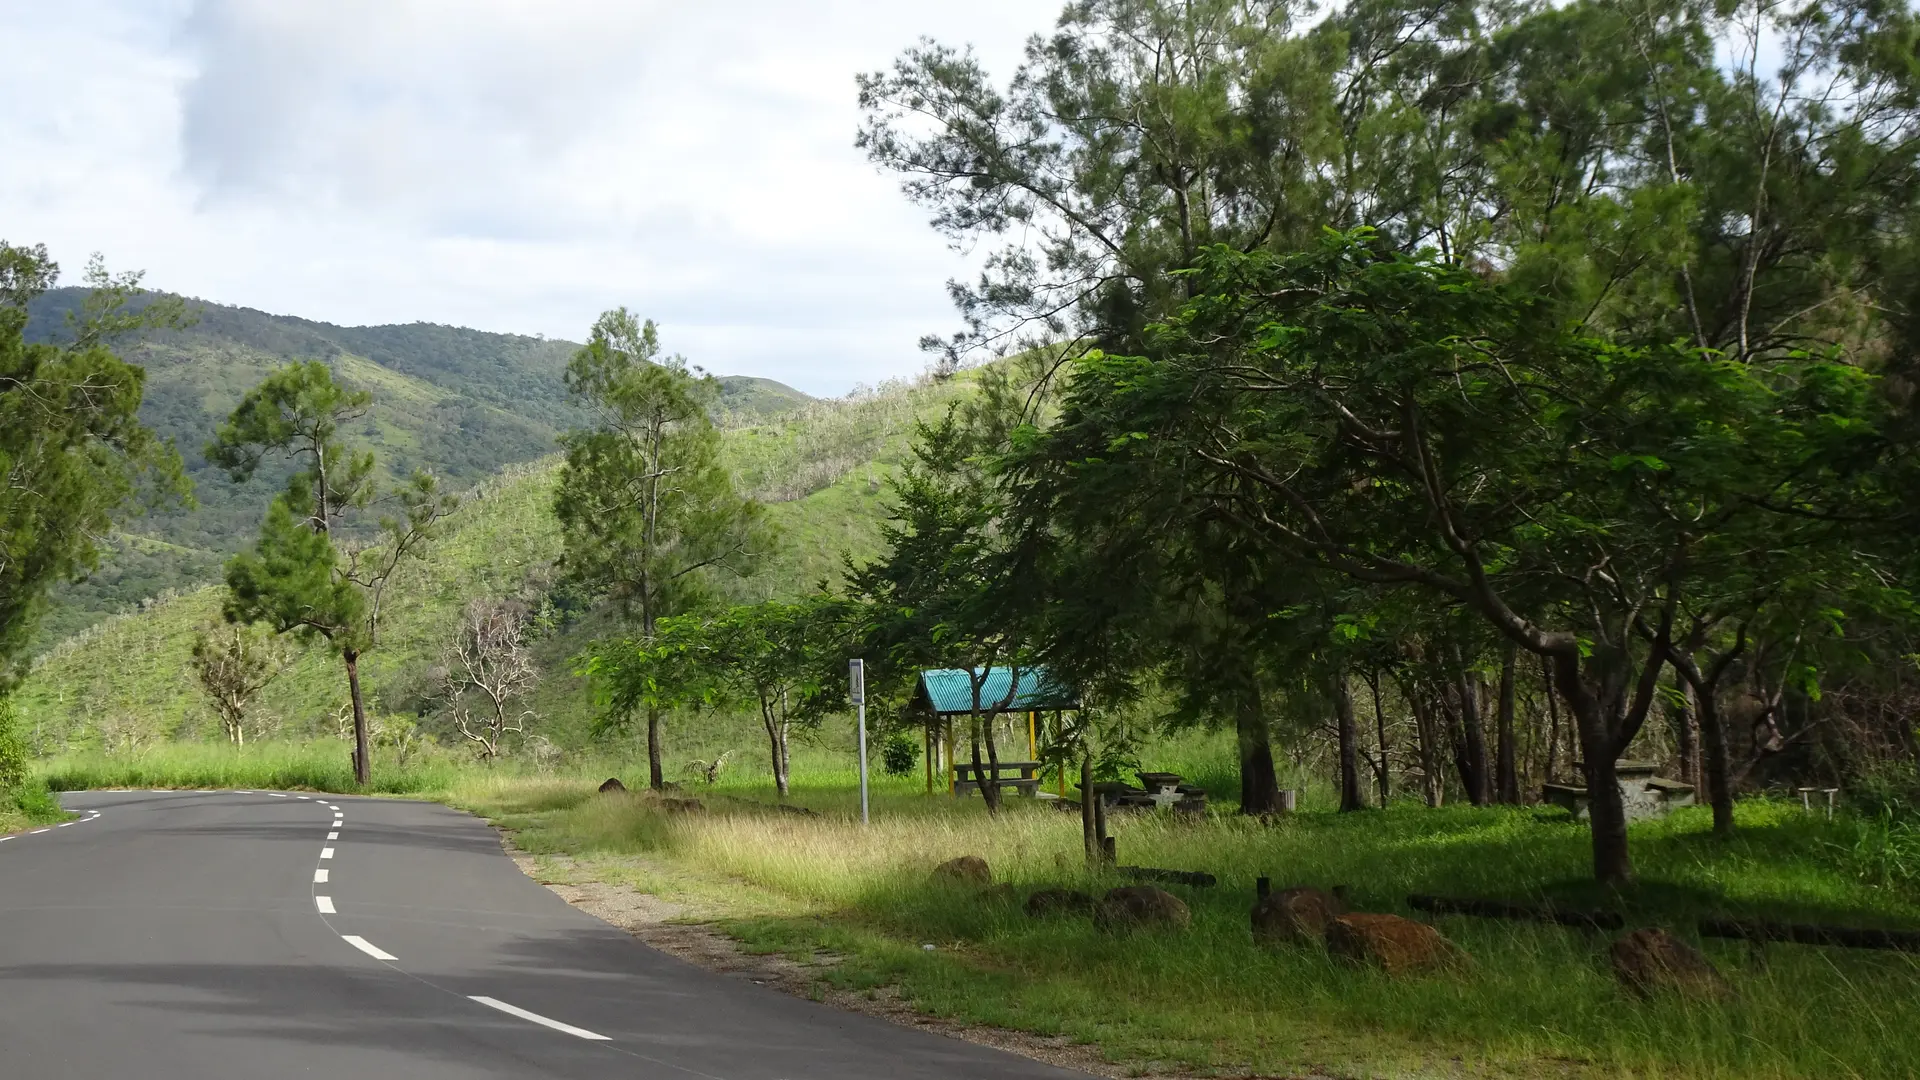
(648, 512)
(303, 575)
(1407, 424)
(73, 451)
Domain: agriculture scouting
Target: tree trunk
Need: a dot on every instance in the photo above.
(1426, 726)
(1350, 797)
(1553, 719)
(1506, 771)
(989, 792)
(656, 773)
(1089, 831)
(993, 766)
(1259, 782)
(776, 744)
(1473, 742)
(362, 765)
(1380, 729)
(1686, 741)
(1606, 812)
(1718, 771)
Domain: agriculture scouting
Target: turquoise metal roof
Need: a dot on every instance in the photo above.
(948, 690)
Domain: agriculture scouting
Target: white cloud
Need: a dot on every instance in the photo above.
(507, 164)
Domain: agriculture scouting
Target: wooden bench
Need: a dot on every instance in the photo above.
(1025, 783)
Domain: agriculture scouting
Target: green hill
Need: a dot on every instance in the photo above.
(463, 403)
(125, 681)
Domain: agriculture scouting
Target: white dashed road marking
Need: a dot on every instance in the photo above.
(320, 876)
(325, 904)
(368, 947)
(37, 832)
(333, 836)
(276, 795)
(326, 853)
(514, 1010)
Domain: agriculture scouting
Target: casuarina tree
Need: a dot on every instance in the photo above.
(303, 575)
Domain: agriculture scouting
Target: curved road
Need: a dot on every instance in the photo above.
(205, 935)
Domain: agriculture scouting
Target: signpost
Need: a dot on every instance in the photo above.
(857, 691)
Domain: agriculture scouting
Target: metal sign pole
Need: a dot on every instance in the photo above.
(857, 690)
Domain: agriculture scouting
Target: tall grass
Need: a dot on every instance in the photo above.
(1207, 997)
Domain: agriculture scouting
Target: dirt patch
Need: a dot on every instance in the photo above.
(674, 929)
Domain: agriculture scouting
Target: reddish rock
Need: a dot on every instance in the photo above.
(1133, 907)
(1395, 945)
(1295, 916)
(1652, 961)
(970, 869)
(613, 784)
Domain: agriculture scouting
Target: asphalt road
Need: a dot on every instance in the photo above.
(205, 935)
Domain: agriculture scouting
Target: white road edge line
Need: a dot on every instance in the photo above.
(326, 853)
(276, 795)
(514, 1010)
(37, 832)
(63, 825)
(333, 836)
(302, 798)
(320, 876)
(368, 947)
(325, 904)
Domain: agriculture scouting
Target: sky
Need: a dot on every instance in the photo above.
(509, 165)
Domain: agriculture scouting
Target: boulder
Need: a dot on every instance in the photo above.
(613, 784)
(1046, 902)
(1395, 945)
(970, 869)
(1133, 907)
(1296, 916)
(1652, 961)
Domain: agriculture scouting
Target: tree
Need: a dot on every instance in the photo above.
(1138, 133)
(489, 657)
(302, 576)
(1406, 423)
(938, 596)
(73, 452)
(648, 514)
(233, 664)
(778, 656)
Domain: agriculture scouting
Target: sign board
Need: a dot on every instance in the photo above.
(857, 681)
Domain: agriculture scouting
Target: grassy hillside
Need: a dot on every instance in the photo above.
(462, 403)
(124, 683)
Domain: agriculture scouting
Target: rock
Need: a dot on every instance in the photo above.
(971, 869)
(1046, 902)
(1652, 960)
(1141, 906)
(1395, 945)
(613, 784)
(1296, 916)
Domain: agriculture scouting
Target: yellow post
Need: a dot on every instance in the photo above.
(1033, 746)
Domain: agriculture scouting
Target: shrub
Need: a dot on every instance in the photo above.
(13, 750)
(898, 754)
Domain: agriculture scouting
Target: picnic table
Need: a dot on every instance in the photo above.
(1026, 783)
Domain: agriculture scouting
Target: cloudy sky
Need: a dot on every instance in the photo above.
(512, 165)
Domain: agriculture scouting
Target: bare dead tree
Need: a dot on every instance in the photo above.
(233, 664)
(489, 672)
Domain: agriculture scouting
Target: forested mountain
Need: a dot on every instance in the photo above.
(462, 403)
(126, 680)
